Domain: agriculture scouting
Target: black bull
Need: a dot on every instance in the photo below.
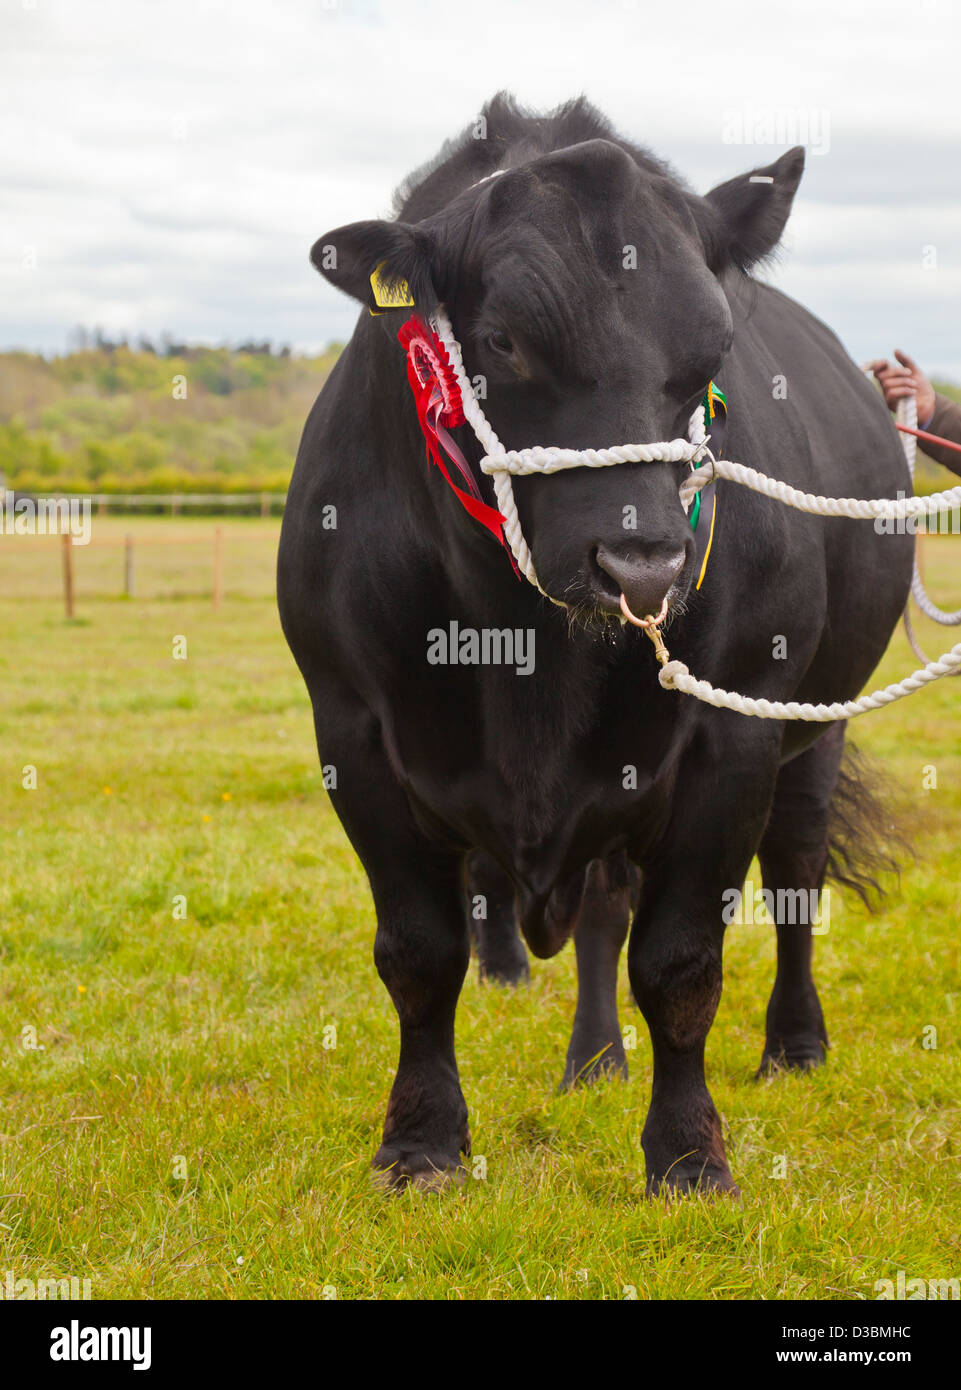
(596, 296)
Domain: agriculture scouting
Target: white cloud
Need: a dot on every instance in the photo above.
(173, 164)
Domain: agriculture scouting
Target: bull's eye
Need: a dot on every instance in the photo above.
(499, 342)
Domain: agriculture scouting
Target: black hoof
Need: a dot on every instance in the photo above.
(686, 1180)
(583, 1070)
(396, 1167)
(803, 1057)
(513, 970)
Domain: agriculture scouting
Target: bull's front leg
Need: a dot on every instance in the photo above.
(421, 949)
(674, 960)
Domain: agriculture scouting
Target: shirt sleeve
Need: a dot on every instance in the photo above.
(945, 421)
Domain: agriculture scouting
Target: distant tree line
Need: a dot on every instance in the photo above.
(83, 339)
(155, 417)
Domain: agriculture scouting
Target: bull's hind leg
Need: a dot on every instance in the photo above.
(421, 950)
(604, 916)
(501, 954)
(794, 856)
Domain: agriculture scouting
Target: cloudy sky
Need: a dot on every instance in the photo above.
(166, 166)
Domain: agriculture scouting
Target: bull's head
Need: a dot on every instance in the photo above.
(584, 289)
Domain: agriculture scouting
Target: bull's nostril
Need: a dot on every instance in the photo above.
(602, 577)
(643, 578)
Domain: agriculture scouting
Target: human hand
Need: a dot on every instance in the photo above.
(905, 380)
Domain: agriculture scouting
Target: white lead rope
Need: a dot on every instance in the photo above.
(674, 675)
(907, 414)
(856, 508)
(502, 464)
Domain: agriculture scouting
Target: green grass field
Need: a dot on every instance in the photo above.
(175, 1123)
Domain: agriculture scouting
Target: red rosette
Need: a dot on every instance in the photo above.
(428, 362)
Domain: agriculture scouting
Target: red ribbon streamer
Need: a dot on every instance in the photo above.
(438, 403)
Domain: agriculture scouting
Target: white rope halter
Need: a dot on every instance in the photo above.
(501, 464)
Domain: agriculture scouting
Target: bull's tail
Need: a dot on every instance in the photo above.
(866, 836)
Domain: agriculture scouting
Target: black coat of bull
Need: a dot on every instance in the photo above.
(455, 780)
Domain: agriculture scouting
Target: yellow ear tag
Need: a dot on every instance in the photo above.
(394, 294)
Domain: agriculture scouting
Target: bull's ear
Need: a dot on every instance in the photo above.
(396, 253)
(750, 211)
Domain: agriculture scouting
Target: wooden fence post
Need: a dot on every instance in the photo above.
(128, 570)
(66, 547)
(218, 566)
